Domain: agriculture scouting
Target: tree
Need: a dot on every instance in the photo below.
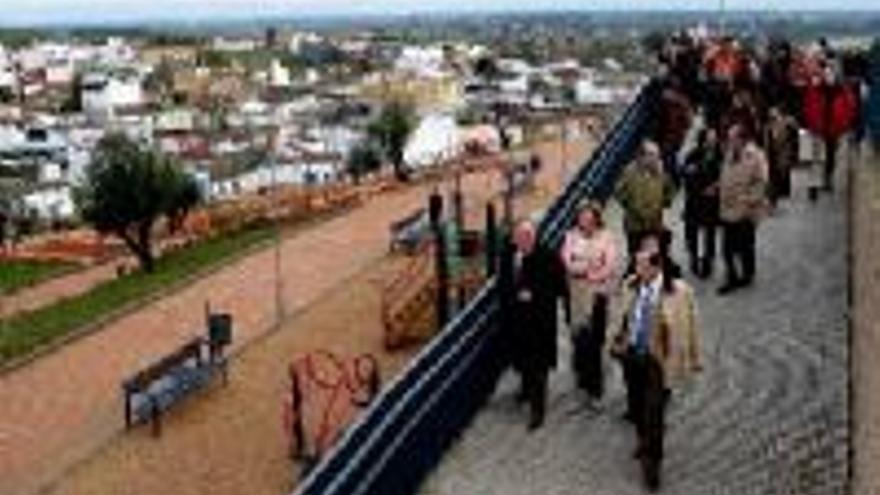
(73, 102)
(390, 132)
(362, 159)
(128, 189)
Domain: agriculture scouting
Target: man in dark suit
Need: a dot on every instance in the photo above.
(532, 282)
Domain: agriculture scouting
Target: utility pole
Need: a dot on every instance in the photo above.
(564, 152)
(276, 206)
(722, 26)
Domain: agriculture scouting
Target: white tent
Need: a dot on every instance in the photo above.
(436, 138)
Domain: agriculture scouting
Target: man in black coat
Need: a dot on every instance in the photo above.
(532, 282)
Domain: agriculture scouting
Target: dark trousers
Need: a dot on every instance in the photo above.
(647, 397)
(692, 232)
(534, 387)
(739, 249)
(830, 161)
(588, 348)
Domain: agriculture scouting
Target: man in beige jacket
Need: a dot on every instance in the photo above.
(743, 193)
(659, 345)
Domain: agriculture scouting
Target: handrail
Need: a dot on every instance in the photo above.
(392, 446)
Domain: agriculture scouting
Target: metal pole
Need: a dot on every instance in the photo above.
(491, 240)
(459, 203)
(276, 205)
(435, 209)
(508, 197)
(564, 156)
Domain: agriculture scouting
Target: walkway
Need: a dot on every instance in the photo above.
(769, 415)
(61, 408)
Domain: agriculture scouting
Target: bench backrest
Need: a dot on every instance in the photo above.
(191, 351)
(408, 221)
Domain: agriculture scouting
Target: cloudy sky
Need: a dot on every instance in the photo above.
(40, 11)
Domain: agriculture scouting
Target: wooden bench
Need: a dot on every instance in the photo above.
(409, 232)
(189, 368)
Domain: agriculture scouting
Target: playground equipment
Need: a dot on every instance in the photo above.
(326, 392)
(446, 268)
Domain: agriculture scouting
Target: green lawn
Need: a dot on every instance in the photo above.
(15, 275)
(26, 332)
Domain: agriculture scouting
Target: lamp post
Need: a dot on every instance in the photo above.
(276, 206)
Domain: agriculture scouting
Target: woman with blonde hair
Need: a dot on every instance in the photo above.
(590, 256)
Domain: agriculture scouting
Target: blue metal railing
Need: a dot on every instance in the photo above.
(403, 435)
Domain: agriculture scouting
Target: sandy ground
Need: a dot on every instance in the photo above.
(331, 270)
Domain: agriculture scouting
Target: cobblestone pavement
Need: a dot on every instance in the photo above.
(768, 416)
(61, 408)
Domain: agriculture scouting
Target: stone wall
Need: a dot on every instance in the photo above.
(866, 330)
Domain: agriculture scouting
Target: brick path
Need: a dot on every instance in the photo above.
(61, 408)
(769, 415)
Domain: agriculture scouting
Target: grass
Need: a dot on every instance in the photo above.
(18, 274)
(28, 331)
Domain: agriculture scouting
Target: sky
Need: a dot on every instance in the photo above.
(23, 12)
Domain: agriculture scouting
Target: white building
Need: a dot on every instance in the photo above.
(279, 75)
(587, 92)
(300, 40)
(180, 119)
(421, 61)
(102, 93)
(60, 72)
(236, 45)
(51, 202)
(319, 172)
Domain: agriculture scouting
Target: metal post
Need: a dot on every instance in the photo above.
(564, 151)
(459, 203)
(508, 197)
(276, 206)
(435, 209)
(491, 241)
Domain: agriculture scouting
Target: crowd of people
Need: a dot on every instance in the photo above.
(726, 137)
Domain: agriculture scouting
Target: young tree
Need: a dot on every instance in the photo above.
(128, 189)
(362, 159)
(390, 132)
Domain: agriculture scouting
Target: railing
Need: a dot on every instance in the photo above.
(403, 435)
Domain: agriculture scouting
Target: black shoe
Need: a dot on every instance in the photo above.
(651, 476)
(706, 269)
(535, 423)
(629, 417)
(520, 397)
(638, 453)
(728, 287)
(746, 282)
(695, 266)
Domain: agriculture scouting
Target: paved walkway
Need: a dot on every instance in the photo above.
(769, 415)
(58, 410)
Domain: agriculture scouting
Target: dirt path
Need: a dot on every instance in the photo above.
(61, 408)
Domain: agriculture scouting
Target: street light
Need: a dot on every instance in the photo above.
(276, 206)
